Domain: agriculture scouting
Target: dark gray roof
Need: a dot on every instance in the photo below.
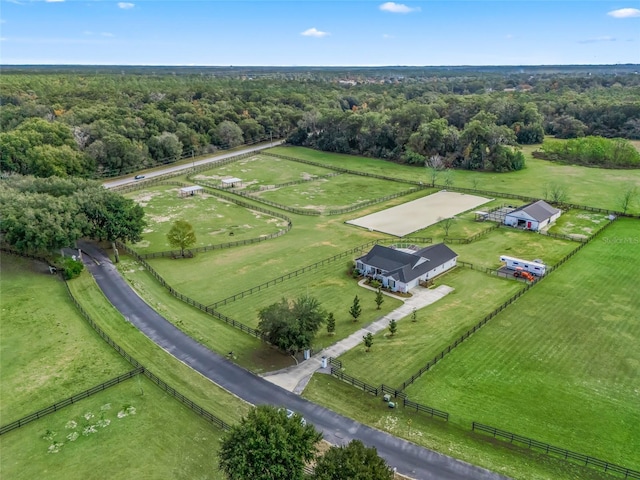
(405, 267)
(539, 210)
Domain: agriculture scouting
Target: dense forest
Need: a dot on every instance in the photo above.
(104, 121)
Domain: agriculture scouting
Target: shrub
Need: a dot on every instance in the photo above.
(71, 268)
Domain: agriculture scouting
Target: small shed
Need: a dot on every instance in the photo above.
(190, 191)
(534, 216)
(231, 182)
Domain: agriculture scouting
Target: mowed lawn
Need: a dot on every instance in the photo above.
(48, 351)
(486, 251)
(248, 351)
(585, 186)
(398, 357)
(332, 287)
(214, 219)
(138, 432)
(260, 171)
(562, 365)
(333, 193)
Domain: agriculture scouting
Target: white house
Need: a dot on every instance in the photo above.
(534, 216)
(400, 271)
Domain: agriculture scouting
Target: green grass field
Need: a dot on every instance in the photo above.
(396, 358)
(335, 291)
(333, 193)
(578, 223)
(214, 219)
(48, 351)
(138, 432)
(257, 171)
(449, 438)
(586, 186)
(175, 373)
(487, 249)
(562, 365)
(249, 352)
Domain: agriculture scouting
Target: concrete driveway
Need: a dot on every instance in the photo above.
(296, 378)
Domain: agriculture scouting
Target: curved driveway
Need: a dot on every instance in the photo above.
(409, 459)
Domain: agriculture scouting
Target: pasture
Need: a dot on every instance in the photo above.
(260, 171)
(214, 219)
(583, 185)
(333, 193)
(578, 223)
(398, 357)
(568, 344)
(562, 364)
(132, 430)
(48, 350)
(486, 250)
(335, 291)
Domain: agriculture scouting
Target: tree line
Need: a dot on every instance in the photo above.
(77, 123)
(41, 215)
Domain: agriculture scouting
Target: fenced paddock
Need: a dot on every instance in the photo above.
(418, 214)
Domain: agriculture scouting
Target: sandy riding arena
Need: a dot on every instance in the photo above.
(418, 214)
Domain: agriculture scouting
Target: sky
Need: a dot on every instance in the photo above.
(319, 32)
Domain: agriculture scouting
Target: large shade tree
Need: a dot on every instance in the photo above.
(268, 445)
(354, 461)
(292, 326)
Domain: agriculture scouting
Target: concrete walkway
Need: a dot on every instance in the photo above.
(295, 378)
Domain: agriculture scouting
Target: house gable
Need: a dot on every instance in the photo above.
(406, 267)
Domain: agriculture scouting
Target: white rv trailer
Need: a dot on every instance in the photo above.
(536, 268)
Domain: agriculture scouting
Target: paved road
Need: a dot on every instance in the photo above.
(176, 168)
(408, 458)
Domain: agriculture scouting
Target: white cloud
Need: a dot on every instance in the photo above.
(126, 5)
(54, 1)
(314, 32)
(508, 36)
(624, 13)
(87, 32)
(387, 36)
(397, 8)
(604, 38)
(106, 34)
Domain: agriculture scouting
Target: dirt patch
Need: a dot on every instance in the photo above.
(160, 218)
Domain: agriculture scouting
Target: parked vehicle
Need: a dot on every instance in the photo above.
(521, 273)
(139, 177)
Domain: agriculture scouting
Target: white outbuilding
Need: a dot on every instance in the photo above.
(534, 216)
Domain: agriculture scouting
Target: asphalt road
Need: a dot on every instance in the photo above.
(408, 458)
(176, 168)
